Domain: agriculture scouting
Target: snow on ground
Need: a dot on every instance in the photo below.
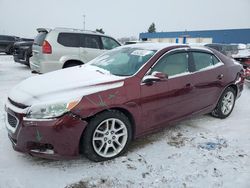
(200, 152)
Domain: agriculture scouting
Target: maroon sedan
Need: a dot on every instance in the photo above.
(98, 108)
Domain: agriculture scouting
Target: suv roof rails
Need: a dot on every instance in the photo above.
(77, 30)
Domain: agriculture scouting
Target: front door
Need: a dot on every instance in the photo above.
(169, 99)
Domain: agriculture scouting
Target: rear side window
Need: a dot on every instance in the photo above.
(92, 41)
(203, 60)
(69, 39)
(172, 64)
(109, 43)
(40, 38)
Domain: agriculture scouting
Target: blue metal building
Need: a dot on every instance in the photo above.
(218, 36)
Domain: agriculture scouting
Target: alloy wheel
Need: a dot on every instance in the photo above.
(110, 137)
(227, 103)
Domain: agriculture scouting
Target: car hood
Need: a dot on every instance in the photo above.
(64, 85)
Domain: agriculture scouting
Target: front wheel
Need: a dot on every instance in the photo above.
(226, 103)
(107, 136)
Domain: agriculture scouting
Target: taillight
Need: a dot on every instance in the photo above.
(47, 49)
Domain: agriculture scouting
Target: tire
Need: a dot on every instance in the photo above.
(27, 58)
(10, 51)
(226, 104)
(100, 141)
(71, 65)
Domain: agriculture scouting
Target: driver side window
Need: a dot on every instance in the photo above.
(173, 64)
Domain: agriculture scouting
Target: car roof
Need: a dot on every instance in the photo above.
(71, 30)
(63, 29)
(160, 46)
(154, 45)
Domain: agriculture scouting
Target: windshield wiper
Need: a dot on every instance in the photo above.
(121, 74)
(100, 71)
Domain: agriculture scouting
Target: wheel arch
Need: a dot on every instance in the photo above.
(234, 86)
(72, 61)
(126, 112)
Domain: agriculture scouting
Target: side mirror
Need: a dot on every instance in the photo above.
(160, 75)
(154, 77)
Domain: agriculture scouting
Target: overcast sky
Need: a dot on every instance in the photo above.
(122, 18)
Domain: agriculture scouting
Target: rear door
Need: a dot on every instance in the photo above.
(90, 47)
(69, 46)
(208, 78)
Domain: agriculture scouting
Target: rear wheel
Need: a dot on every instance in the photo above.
(107, 136)
(226, 104)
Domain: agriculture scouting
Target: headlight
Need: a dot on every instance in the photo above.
(50, 110)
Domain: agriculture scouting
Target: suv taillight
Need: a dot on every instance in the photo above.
(47, 49)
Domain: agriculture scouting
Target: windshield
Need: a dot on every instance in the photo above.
(123, 61)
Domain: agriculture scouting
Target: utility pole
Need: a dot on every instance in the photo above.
(84, 16)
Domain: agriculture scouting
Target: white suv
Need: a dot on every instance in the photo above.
(59, 48)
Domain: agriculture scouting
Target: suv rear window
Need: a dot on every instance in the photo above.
(69, 39)
(40, 38)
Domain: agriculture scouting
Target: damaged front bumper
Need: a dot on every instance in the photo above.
(57, 138)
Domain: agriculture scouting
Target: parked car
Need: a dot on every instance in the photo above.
(239, 52)
(23, 51)
(7, 42)
(226, 49)
(133, 42)
(62, 48)
(128, 92)
(245, 61)
(243, 56)
(247, 76)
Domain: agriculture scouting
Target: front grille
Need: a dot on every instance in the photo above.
(12, 120)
